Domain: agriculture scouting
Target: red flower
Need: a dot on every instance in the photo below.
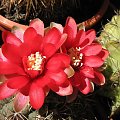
(29, 61)
(86, 54)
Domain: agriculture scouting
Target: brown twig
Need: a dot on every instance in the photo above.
(93, 20)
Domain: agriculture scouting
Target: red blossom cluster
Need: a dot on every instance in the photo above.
(37, 60)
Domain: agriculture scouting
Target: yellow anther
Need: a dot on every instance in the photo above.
(36, 62)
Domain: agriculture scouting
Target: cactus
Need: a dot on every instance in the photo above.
(110, 37)
(111, 31)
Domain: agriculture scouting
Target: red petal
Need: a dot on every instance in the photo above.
(58, 61)
(92, 49)
(86, 39)
(59, 77)
(78, 80)
(99, 78)
(65, 90)
(63, 49)
(56, 25)
(69, 40)
(17, 82)
(11, 52)
(103, 54)
(10, 38)
(80, 37)
(6, 92)
(18, 32)
(2, 57)
(4, 35)
(46, 90)
(87, 71)
(9, 68)
(93, 61)
(61, 41)
(52, 36)
(54, 64)
(32, 73)
(53, 86)
(64, 58)
(71, 23)
(88, 88)
(48, 50)
(29, 35)
(43, 81)
(91, 35)
(84, 43)
(25, 90)
(37, 96)
(25, 50)
(37, 43)
(38, 25)
(20, 102)
(71, 30)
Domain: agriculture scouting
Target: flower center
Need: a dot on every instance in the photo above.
(36, 62)
(76, 56)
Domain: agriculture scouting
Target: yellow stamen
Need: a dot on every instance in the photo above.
(76, 56)
(36, 61)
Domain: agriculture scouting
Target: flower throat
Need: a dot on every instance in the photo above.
(76, 57)
(36, 62)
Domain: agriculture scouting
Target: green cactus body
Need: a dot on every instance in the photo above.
(111, 31)
(110, 37)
